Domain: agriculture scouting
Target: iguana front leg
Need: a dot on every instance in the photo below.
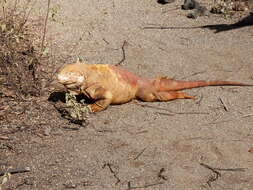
(102, 97)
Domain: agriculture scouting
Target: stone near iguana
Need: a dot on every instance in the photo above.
(199, 10)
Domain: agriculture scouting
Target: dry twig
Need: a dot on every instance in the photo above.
(45, 26)
(129, 187)
(218, 174)
(223, 104)
(112, 171)
(123, 54)
(16, 170)
(161, 175)
(4, 138)
(193, 74)
(138, 155)
(211, 178)
(224, 169)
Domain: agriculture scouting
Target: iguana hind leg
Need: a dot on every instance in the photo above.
(163, 96)
(102, 97)
(171, 95)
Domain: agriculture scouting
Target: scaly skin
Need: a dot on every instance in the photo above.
(108, 84)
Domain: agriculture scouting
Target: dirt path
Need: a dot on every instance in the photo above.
(131, 146)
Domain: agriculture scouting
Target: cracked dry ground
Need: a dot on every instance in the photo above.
(130, 146)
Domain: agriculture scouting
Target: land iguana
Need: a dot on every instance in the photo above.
(109, 84)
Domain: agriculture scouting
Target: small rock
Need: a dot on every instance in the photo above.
(47, 131)
(70, 185)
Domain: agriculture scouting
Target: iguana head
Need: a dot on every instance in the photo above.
(71, 77)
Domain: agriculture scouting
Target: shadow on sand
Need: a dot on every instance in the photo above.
(247, 21)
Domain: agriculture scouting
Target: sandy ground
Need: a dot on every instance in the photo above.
(133, 147)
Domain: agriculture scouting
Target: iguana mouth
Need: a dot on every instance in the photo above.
(72, 86)
(68, 83)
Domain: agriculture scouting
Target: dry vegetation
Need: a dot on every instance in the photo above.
(228, 7)
(19, 60)
(22, 64)
(26, 73)
(19, 55)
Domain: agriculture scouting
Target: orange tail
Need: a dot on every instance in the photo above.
(164, 84)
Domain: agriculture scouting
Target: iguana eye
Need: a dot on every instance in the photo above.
(80, 79)
(62, 78)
